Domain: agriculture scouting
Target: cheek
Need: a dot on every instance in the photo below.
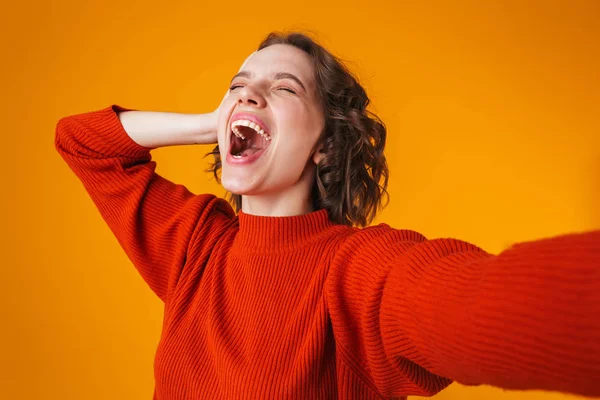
(221, 143)
(297, 145)
(303, 121)
(225, 111)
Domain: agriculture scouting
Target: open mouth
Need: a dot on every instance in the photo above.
(247, 139)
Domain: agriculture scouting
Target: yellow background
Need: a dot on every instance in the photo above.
(492, 112)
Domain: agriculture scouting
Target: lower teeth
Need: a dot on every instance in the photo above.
(246, 153)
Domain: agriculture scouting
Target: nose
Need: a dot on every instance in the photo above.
(248, 95)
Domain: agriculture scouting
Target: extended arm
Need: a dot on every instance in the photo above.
(416, 314)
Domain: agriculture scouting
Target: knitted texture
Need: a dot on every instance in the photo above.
(299, 308)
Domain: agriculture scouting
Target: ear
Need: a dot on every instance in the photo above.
(319, 153)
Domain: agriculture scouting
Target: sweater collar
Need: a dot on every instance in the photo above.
(261, 233)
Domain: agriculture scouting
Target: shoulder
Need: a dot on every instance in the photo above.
(217, 216)
(381, 235)
(373, 241)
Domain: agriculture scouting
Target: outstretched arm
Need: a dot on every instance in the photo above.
(416, 314)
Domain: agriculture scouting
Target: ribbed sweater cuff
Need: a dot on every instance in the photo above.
(124, 144)
(110, 138)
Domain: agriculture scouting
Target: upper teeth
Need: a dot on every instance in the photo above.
(249, 124)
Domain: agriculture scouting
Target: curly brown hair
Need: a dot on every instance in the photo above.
(352, 177)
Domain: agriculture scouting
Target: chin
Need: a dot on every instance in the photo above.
(237, 186)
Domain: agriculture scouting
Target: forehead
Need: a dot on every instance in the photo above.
(281, 58)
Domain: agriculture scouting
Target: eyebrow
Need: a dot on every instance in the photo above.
(276, 76)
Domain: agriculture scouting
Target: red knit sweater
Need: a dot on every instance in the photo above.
(299, 308)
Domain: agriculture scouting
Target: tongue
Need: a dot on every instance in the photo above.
(249, 152)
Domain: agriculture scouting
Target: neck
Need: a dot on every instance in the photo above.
(292, 201)
(277, 204)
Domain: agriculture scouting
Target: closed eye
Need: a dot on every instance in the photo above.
(287, 90)
(234, 87)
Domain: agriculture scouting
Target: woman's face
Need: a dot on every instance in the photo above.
(269, 124)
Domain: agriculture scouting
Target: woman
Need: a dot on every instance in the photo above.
(287, 298)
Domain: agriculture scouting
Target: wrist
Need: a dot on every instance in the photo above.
(204, 127)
